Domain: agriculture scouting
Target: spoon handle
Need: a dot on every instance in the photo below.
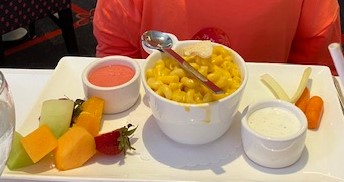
(193, 71)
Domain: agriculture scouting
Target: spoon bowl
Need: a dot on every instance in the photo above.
(156, 40)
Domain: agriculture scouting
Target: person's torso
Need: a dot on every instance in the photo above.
(258, 30)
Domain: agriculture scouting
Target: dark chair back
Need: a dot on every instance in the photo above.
(22, 13)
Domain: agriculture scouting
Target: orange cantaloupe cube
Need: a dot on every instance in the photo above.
(94, 105)
(74, 148)
(89, 122)
(91, 115)
(39, 143)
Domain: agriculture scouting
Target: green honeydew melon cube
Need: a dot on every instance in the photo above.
(57, 114)
(18, 157)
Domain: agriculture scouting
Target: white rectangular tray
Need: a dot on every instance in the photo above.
(157, 158)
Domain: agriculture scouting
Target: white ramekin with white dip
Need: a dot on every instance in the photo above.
(273, 133)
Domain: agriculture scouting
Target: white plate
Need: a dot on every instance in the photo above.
(158, 158)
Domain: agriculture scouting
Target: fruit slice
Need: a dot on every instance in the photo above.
(91, 115)
(89, 122)
(18, 157)
(74, 148)
(39, 143)
(115, 142)
(57, 114)
(94, 105)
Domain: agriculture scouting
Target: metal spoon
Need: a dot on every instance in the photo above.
(163, 42)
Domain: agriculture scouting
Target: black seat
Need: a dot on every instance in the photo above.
(24, 13)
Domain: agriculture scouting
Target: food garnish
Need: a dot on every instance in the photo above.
(116, 141)
(57, 114)
(203, 49)
(313, 108)
(74, 148)
(314, 112)
(303, 100)
(90, 114)
(275, 87)
(18, 157)
(39, 143)
(77, 109)
(279, 92)
(76, 143)
(302, 85)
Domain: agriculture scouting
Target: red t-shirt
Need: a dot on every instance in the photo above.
(286, 31)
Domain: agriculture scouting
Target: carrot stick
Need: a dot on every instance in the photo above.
(303, 100)
(314, 111)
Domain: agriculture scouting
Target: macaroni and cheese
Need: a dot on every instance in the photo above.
(169, 80)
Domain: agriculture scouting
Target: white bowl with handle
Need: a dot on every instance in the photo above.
(193, 123)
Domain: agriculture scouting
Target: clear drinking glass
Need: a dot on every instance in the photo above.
(7, 121)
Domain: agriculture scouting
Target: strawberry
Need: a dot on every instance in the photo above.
(115, 142)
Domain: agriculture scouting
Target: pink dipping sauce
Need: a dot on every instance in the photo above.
(112, 75)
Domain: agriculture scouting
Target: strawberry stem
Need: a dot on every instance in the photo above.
(123, 139)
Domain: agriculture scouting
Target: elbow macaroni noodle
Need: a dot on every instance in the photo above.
(169, 80)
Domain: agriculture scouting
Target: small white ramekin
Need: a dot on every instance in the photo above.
(273, 152)
(117, 98)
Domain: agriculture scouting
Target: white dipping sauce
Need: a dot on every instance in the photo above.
(274, 122)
